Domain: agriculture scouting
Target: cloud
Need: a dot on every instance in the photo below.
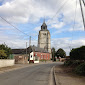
(37, 29)
(20, 12)
(67, 43)
(58, 25)
(23, 11)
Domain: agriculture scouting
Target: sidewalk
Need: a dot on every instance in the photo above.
(63, 76)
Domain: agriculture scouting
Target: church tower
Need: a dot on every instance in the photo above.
(44, 38)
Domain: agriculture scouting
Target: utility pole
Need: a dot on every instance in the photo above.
(53, 54)
(82, 14)
(30, 41)
(83, 2)
(70, 48)
(4, 43)
(47, 42)
(26, 47)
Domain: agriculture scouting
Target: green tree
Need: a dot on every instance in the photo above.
(78, 53)
(7, 50)
(2, 54)
(61, 53)
(53, 54)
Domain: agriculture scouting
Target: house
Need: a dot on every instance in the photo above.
(34, 55)
(20, 56)
(37, 54)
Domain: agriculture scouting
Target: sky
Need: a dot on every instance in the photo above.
(63, 18)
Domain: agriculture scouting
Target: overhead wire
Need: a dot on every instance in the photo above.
(48, 22)
(58, 10)
(16, 28)
(82, 13)
(13, 26)
(83, 2)
(22, 31)
(74, 23)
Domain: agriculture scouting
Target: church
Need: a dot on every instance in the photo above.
(41, 52)
(44, 38)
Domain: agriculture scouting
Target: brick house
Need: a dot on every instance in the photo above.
(34, 54)
(37, 53)
(42, 56)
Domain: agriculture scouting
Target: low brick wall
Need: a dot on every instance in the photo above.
(6, 62)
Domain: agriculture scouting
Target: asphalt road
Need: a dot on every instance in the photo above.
(33, 75)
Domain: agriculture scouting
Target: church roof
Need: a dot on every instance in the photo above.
(44, 26)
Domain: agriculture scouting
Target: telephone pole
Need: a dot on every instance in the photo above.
(82, 14)
(83, 2)
(30, 41)
(26, 47)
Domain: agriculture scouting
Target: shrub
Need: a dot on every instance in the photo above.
(3, 54)
(72, 63)
(68, 63)
(6, 51)
(75, 63)
(80, 69)
(78, 53)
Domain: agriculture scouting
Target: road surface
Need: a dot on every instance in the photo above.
(33, 75)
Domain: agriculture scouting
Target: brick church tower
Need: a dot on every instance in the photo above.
(44, 38)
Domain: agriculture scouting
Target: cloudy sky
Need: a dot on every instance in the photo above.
(63, 18)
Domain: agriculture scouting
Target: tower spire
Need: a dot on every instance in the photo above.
(44, 20)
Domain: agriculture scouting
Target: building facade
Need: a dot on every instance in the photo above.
(20, 56)
(42, 56)
(37, 53)
(44, 38)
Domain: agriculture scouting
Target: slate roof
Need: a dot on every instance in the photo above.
(19, 51)
(44, 27)
(37, 49)
(29, 49)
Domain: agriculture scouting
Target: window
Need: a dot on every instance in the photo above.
(41, 57)
(31, 56)
(44, 57)
(44, 33)
(47, 57)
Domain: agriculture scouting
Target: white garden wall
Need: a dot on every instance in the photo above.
(36, 61)
(6, 62)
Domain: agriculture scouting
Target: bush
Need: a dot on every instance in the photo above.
(3, 54)
(75, 63)
(5, 51)
(72, 63)
(80, 69)
(78, 53)
(68, 62)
